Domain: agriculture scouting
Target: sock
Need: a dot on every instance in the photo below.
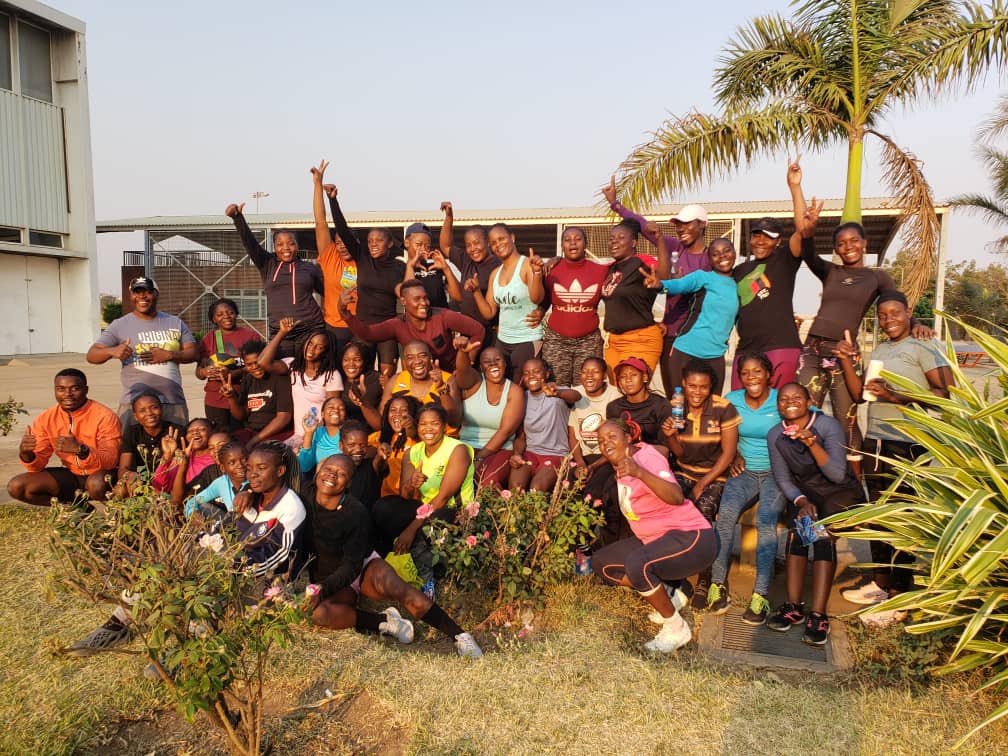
(435, 617)
(119, 615)
(675, 621)
(368, 623)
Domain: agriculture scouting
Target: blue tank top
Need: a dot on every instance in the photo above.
(480, 419)
(514, 303)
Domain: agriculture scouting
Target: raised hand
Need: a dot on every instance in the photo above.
(550, 389)
(123, 351)
(384, 452)
(535, 262)
(226, 388)
(609, 192)
(169, 443)
(418, 479)
(348, 297)
(651, 279)
(330, 190)
(811, 217)
(29, 442)
(233, 210)
(446, 208)
(794, 172)
(471, 349)
(187, 446)
(355, 390)
(319, 172)
(669, 428)
(845, 349)
(472, 284)
(651, 228)
(437, 260)
(286, 326)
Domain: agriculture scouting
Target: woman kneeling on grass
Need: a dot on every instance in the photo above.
(347, 567)
(671, 539)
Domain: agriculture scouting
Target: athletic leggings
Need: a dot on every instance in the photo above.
(820, 372)
(566, 355)
(878, 474)
(823, 550)
(516, 355)
(674, 556)
(709, 500)
(678, 360)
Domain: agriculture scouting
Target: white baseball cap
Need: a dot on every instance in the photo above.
(689, 213)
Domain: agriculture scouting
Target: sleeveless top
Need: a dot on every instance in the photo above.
(434, 468)
(480, 419)
(514, 303)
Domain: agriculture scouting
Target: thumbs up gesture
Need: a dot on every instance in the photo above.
(28, 442)
(122, 351)
(535, 262)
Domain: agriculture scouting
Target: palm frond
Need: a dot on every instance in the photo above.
(919, 221)
(996, 163)
(690, 150)
(988, 208)
(997, 124)
(771, 59)
(961, 54)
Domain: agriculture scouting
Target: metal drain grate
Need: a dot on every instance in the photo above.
(739, 637)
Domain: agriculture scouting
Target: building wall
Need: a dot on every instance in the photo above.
(47, 194)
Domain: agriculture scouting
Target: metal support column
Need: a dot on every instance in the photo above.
(148, 256)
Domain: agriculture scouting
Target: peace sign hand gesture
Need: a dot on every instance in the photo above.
(226, 388)
(234, 210)
(609, 192)
(651, 279)
(169, 443)
(318, 173)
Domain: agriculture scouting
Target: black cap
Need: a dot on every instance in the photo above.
(768, 227)
(418, 228)
(142, 283)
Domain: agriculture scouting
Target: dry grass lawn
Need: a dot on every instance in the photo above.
(581, 685)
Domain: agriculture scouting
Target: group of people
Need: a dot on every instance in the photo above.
(417, 381)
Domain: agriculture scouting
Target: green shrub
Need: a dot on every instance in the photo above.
(204, 620)
(111, 311)
(515, 544)
(954, 519)
(9, 411)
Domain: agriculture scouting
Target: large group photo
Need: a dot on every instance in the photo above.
(717, 463)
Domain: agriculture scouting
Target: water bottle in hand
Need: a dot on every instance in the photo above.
(678, 402)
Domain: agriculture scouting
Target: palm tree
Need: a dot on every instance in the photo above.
(993, 208)
(830, 74)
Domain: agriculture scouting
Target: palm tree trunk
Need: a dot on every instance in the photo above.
(852, 195)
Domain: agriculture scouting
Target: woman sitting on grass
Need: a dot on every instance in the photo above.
(808, 456)
(346, 567)
(671, 539)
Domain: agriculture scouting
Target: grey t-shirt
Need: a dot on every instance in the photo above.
(911, 359)
(138, 373)
(546, 424)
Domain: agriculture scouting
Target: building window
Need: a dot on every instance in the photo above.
(10, 235)
(5, 53)
(251, 302)
(36, 65)
(42, 239)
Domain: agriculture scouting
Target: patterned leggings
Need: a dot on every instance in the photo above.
(564, 355)
(821, 374)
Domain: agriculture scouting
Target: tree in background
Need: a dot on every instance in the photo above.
(829, 75)
(978, 296)
(993, 208)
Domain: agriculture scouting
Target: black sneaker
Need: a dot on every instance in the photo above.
(816, 629)
(786, 616)
(757, 612)
(699, 600)
(718, 600)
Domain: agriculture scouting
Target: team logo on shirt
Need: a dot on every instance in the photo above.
(613, 280)
(754, 286)
(625, 505)
(713, 427)
(589, 427)
(848, 281)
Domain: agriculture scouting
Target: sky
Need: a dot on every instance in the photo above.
(531, 104)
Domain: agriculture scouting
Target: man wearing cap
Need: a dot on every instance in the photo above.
(151, 345)
(438, 274)
(688, 252)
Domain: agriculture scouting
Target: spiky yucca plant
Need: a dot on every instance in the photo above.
(953, 518)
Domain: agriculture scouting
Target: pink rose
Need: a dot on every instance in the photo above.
(566, 483)
(313, 589)
(588, 498)
(273, 593)
(470, 541)
(597, 503)
(505, 494)
(472, 509)
(424, 511)
(486, 535)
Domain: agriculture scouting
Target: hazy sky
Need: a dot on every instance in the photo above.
(529, 104)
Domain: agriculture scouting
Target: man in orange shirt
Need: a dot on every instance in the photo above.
(84, 434)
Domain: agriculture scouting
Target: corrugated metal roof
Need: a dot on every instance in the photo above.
(753, 208)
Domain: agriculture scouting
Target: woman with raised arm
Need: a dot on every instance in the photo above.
(288, 282)
(378, 275)
(474, 260)
(629, 319)
(339, 268)
(220, 353)
(492, 410)
(516, 287)
(671, 540)
(689, 249)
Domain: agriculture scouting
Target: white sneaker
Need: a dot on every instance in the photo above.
(883, 619)
(866, 594)
(394, 625)
(466, 645)
(674, 633)
(678, 598)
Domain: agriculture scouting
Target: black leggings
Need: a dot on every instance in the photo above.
(676, 555)
(677, 361)
(516, 355)
(878, 474)
(823, 550)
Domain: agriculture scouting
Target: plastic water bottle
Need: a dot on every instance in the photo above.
(678, 408)
(311, 420)
(582, 561)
